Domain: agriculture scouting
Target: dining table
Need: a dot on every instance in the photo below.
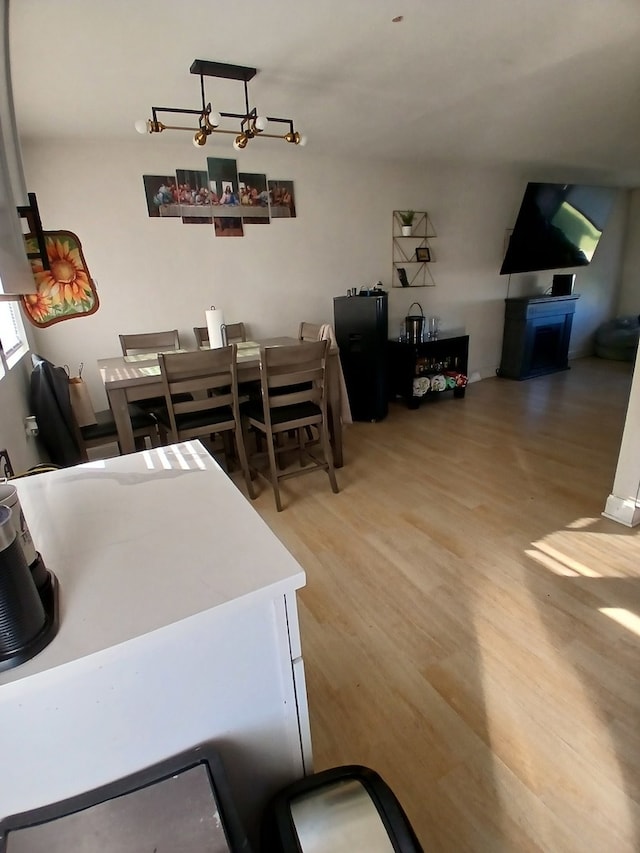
(131, 378)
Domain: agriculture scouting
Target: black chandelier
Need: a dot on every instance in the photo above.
(252, 125)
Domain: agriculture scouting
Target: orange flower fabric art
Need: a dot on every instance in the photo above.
(65, 290)
(38, 306)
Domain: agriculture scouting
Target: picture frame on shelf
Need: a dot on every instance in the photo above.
(402, 275)
(423, 254)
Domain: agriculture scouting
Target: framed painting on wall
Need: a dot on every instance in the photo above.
(283, 202)
(254, 198)
(161, 192)
(194, 196)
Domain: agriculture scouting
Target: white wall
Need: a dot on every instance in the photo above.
(154, 274)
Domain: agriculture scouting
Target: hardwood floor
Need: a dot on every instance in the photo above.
(471, 624)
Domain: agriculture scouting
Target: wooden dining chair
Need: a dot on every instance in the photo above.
(104, 431)
(293, 399)
(208, 378)
(202, 336)
(236, 333)
(309, 332)
(150, 342)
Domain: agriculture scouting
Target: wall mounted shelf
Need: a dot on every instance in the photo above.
(413, 254)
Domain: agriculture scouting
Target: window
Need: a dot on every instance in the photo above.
(13, 340)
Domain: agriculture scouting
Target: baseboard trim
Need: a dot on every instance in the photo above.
(625, 512)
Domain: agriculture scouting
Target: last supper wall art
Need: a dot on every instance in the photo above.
(220, 197)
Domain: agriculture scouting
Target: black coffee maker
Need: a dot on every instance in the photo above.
(28, 598)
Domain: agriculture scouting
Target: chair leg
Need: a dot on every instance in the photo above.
(163, 435)
(279, 440)
(244, 464)
(228, 449)
(273, 469)
(328, 456)
(302, 459)
(154, 436)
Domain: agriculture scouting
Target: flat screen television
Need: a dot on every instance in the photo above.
(558, 226)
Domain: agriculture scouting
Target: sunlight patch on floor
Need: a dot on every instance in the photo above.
(548, 562)
(623, 617)
(558, 561)
(582, 523)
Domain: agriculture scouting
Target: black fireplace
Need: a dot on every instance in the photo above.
(537, 332)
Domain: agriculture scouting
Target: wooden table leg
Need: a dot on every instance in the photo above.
(120, 410)
(335, 408)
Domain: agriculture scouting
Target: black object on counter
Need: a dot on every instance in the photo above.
(28, 607)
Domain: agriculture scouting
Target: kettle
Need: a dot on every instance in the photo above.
(414, 325)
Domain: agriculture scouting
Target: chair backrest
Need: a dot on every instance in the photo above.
(236, 333)
(294, 374)
(202, 336)
(202, 383)
(150, 342)
(309, 332)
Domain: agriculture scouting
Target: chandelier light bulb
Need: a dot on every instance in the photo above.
(142, 126)
(295, 138)
(200, 139)
(214, 119)
(261, 123)
(240, 141)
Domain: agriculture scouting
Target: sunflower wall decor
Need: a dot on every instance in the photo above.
(66, 290)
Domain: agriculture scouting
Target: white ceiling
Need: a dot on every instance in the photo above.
(543, 84)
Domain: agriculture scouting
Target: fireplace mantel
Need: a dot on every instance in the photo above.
(537, 331)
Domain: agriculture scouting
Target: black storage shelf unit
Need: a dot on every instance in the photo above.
(449, 352)
(537, 332)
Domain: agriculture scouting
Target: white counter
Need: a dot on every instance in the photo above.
(178, 624)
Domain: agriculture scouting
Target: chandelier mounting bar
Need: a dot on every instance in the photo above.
(206, 68)
(251, 126)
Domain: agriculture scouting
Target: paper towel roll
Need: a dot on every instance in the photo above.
(215, 322)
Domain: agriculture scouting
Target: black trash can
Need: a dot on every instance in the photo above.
(341, 810)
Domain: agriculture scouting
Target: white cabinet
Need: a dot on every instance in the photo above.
(178, 625)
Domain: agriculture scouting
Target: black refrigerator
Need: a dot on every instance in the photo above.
(361, 325)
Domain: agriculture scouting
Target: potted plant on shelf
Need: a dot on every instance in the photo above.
(407, 217)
